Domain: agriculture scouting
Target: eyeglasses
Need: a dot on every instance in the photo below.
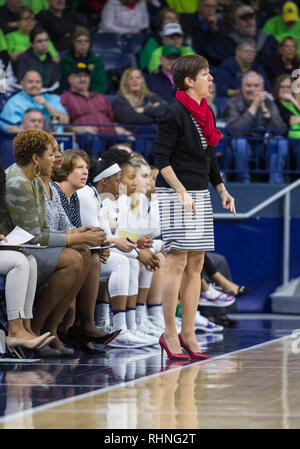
(82, 41)
(282, 86)
(247, 16)
(26, 19)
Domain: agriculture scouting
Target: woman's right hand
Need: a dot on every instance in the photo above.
(124, 244)
(93, 238)
(187, 202)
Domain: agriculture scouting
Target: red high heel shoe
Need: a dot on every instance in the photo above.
(171, 355)
(193, 355)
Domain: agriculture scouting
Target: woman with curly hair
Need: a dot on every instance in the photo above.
(61, 270)
(134, 102)
(20, 270)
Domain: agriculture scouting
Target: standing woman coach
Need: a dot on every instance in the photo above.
(185, 155)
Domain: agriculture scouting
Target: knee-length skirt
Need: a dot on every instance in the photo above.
(46, 259)
(180, 229)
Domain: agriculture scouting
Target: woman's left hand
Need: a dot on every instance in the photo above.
(2, 237)
(104, 255)
(227, 201)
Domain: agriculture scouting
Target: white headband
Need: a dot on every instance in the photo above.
(112, 170)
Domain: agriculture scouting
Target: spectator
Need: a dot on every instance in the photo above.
(31, 96)
(244, 26)
(9, 15)
(18, 40)
(87, 107)
(134, 102)
(172, 34)
(231, 71)
(289, 109)
(59, 23)
(124, 17)
(9, 84)
(202, 27)
(80, 51)
(252, 113)
(38, 58)
(161, 83)
(211, 100)
(287, 60)
(165, 15)
(286, 24)
(33, 119)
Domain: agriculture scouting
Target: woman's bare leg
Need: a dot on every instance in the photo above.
(175, 265)
(189, 295)
(61, 289)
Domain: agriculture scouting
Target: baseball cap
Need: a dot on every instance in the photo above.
(243, 11)
(80, 67)
(290, 12)
(171, 28)
(169, 50)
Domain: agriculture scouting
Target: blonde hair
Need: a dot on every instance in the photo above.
(124, 86)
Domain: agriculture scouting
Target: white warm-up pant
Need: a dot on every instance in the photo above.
(20, 285)
(122, 273)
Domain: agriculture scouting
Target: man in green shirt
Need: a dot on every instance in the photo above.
(287, 24)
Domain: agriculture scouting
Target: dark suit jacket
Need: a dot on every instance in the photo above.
(178, 144)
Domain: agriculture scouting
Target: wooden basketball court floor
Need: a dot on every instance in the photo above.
(252, 381)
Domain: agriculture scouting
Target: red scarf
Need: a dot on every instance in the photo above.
(203, 116)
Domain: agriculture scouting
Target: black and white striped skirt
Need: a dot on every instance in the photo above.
(181, 229)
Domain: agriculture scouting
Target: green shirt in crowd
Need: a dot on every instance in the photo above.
(155, 58)
(20, 42)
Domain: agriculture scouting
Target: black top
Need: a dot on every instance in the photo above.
(178, 144)
(60, 28)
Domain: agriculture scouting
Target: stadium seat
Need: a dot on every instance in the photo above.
(107, 40)
(115, 59)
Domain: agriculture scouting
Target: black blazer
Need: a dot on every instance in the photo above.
(178, 144)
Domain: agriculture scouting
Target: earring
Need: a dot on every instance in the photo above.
(35, 169)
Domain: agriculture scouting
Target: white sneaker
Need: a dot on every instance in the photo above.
(143, 333)
(152, 329)
(158, 321)
(204, 324)
(127, 339)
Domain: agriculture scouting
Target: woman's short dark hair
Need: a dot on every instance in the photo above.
(78, 31)
(68, 164)
(30, 142)
(187, 66)
(36, 30)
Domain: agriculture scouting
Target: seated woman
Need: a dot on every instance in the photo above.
(134, 103)
(120, 271)
(124, 17)
(61, 271)
(59, 221)
(289, 108)
(286, 62)
(118, 212)
(20, 270)
(80, 51)
(18, 41)
(71, 177)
